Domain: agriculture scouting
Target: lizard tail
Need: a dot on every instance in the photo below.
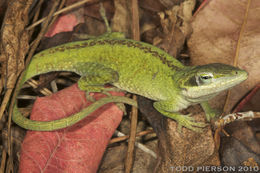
(26, 123)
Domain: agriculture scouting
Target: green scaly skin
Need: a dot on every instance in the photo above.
(135, 67)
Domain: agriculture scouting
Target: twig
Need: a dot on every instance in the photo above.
(34, 84)
(75, 5)
(3, 161)
(237, 50)
(126, 137)
(242, 116)
(247, 98)
(36, 15)
(137, 144)
(131, 143)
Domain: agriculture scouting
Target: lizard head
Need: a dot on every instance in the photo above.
(200, 83)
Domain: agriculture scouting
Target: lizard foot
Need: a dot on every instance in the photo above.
(212, 114)
(190, 123)
(102, 90)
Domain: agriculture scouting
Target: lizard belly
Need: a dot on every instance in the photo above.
(153, 89)
(137, 90)
(148, 80)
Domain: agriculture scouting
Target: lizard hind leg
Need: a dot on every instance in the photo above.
(94, 76)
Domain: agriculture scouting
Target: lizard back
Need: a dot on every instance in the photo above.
(139, 65)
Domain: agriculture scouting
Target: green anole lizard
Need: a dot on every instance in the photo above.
(135, 67)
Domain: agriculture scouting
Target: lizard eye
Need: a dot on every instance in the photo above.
(204, 78)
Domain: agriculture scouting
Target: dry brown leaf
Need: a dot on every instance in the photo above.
(216, 34)
(122, 17)
(14, 45)
(170, 3)
(94, 24)
(176, 27)
(180, 149)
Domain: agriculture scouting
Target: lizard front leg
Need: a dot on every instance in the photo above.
(210, 113)
(166, 108)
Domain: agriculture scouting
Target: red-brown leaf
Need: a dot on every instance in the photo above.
(78, 148)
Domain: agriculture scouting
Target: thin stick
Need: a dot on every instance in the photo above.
(247, 98)
(3, 161)
(75, 5)
(139, 145)
(237, 50)
(126, 137)
(131, 143)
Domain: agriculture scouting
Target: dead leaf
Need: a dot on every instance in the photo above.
(78, 148)
(176, 27)
(234, 153)
(120, 21)
(216, 30)
(14, 45)
(179, 149)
